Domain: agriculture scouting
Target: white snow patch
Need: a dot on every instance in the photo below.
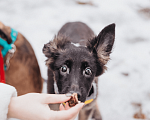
(76, 44)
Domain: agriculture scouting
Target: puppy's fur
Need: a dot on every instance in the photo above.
(76, 57)
(23, 73)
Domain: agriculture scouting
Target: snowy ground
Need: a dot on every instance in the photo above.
(127, 80)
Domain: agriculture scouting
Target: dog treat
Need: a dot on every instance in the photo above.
(73, 100)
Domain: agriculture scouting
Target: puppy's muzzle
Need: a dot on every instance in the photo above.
(75, 89)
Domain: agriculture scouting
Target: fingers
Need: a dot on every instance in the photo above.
(61, 107)
(54, 98)
(67, 114)
(67, 106)
(76, 108)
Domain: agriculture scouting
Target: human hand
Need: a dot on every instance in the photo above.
(34, 106)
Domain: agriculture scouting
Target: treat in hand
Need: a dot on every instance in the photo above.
(73, 100)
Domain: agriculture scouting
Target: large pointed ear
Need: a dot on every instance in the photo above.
(53, 48)
(102, 45)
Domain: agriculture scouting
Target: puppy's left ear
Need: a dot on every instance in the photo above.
(102, 45)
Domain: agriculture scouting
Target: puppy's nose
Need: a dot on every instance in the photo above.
(78, 93)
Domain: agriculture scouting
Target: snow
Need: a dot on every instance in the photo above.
(127, 79)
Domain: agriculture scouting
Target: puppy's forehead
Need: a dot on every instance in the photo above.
(78, 52)
(76, 55)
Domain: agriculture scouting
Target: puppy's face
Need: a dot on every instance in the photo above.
(74, 67)
(74, 71)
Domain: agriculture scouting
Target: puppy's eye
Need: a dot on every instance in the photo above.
(64, 68)
(87, 71)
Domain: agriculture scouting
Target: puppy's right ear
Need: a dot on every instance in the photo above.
(46, 50)
(50, 52)
(54, 48)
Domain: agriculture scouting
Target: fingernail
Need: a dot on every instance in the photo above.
(68, 95)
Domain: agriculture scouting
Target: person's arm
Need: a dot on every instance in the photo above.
(34, 106)
(6, 92)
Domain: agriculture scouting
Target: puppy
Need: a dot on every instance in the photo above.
(76, 57)
(23, 71)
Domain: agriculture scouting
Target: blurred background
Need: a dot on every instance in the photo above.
(124, 89)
